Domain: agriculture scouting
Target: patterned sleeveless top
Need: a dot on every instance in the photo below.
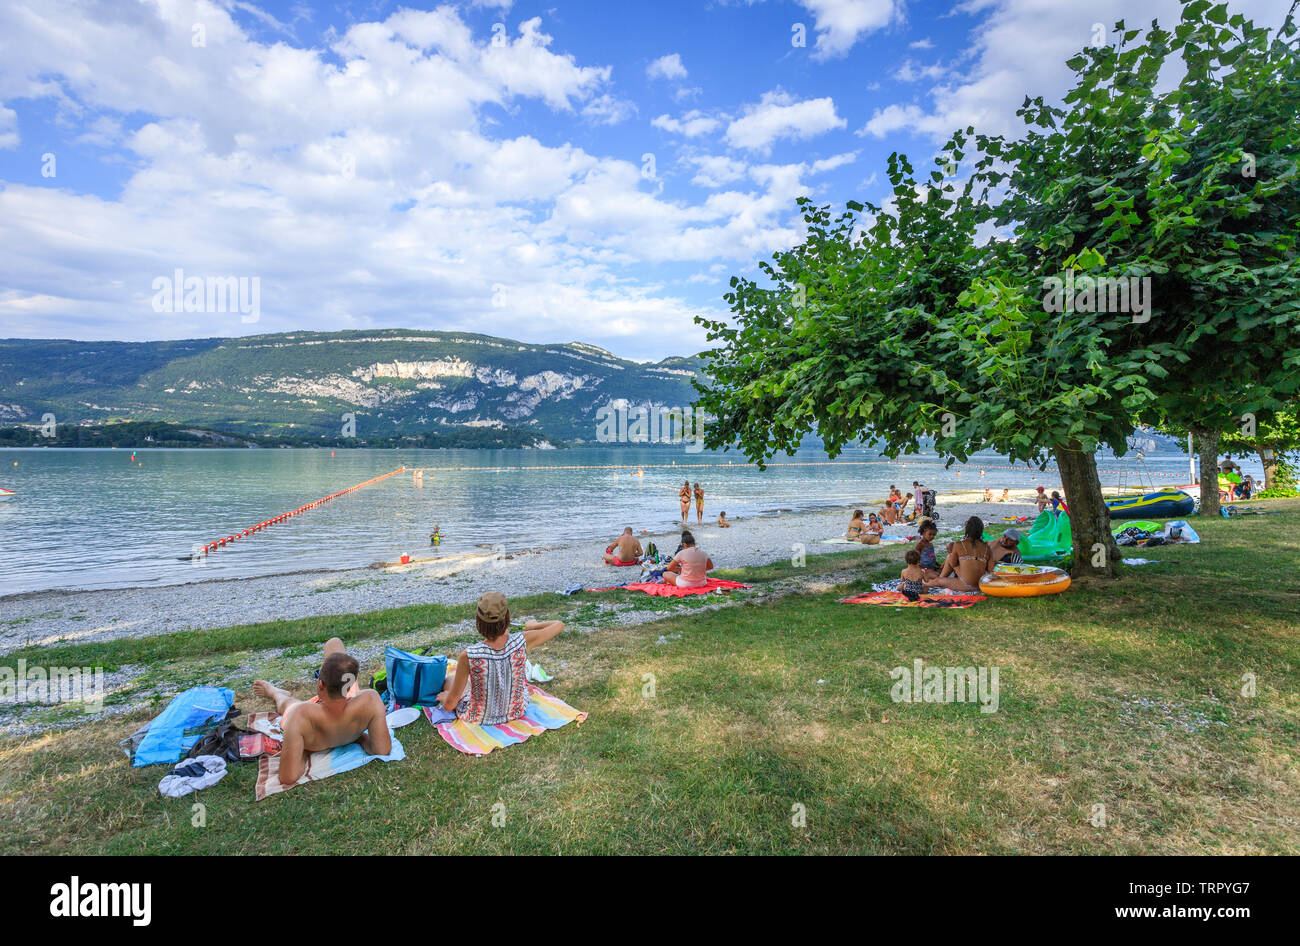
(498, 687)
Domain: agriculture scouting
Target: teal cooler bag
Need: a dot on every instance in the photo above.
(413, 679)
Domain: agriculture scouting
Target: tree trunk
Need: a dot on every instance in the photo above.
(1269, 459)
(1095, 552)
(1207, 448)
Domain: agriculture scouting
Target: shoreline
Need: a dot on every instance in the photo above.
(54, 616)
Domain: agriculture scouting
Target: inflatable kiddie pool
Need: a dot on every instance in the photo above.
(1048, 538)
(1024, 581)
(1168, 503)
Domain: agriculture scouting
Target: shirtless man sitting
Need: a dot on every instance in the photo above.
(341, 713)
(1006, 550)
(626, 549)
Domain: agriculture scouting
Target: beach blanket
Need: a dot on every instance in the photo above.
(883, 539)
(896, 584)
(544, 712)
(896, 599)
(664, 590)
(320, 765)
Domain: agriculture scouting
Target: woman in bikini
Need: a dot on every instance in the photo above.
(967, 562)
(857, 528)
(699, 504)
(684, 497)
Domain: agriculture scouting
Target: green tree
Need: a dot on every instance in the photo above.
(888, 328)
(1193, 187)
(1273, 437)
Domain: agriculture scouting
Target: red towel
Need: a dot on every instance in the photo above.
(665, 590)
(617, 564)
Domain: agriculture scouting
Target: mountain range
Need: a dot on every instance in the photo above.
(386, 383)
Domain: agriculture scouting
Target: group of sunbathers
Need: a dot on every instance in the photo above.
(487, 686)
(686, 569)
(967, 560)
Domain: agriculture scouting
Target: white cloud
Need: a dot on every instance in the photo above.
(923, 43)
(717, 170)
(778, 115)
(364, 182)
(1020, 48)
(667, 67)
(841, 23)
(8, 128)
(690, 125)
(608, 110)
(911, 72)
(833, 162)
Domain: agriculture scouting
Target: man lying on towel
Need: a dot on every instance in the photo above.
(626, 550)
(340, 714)
(689, 565)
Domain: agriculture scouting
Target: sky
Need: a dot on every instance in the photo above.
(549, 172)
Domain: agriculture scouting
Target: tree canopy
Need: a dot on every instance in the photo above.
(1136, 273)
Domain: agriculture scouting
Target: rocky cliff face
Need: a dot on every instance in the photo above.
(397, 381)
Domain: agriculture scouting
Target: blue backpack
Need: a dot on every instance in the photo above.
(411, 679)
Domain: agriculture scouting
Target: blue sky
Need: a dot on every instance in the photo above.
(561, 171)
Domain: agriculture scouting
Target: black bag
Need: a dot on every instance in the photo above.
(222, 742)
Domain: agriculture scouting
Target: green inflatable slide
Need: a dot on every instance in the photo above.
(1049, 537)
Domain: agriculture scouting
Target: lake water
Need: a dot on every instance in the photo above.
(97, 519)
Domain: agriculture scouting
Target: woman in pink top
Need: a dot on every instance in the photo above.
(688, 568)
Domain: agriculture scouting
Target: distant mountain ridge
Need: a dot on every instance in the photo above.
(391, 382)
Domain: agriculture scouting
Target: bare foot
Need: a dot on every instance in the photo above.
(262, 688)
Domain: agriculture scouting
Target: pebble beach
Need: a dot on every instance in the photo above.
(48, 617)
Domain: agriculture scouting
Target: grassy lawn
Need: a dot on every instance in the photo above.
(1126, 695)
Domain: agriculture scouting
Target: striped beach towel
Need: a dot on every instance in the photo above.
(544, 712)
(320, 765)
(896, 599)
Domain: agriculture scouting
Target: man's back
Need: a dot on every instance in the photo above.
(629, 549)
(321, 727)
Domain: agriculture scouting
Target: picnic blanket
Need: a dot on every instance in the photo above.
(544, 712)
(665, 590)
(320, 765)
(896, 599)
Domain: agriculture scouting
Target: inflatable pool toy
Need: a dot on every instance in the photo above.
(1163, 503)
(1024, 581)
(1049, 536)
(6, 493)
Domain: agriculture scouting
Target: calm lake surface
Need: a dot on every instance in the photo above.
(97, 519)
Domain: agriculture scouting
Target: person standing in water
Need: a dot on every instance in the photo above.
(684, 497)
(699, 505)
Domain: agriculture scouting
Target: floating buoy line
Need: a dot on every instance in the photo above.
(234, 537)
(900, 462)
